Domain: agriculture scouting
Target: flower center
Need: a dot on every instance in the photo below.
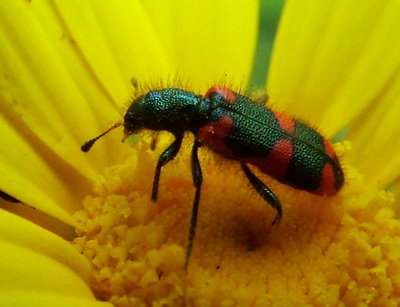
(323, 249)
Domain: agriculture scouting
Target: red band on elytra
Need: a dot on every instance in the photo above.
(226, 93)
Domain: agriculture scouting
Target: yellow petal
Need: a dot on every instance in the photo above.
(117, 41)
(331, 59)
(55, 59)
(27, 176)
(37, 83)
(375, 138)
(41, 266)
(14, 297)
(208, 41)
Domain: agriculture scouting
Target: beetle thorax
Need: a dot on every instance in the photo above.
(170, 109)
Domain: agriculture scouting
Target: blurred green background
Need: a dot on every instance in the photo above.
(268, 24)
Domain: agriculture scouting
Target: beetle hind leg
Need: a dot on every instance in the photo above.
(264, 192)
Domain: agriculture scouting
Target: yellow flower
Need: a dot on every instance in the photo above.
(66, 70)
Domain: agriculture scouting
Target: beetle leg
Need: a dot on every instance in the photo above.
(197, 180)
(264, 192)
(168, 155)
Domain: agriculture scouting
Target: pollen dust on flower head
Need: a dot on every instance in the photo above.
(119, 231)
(326, 250)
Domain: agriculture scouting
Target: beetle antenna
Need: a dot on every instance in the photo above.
(86, 147)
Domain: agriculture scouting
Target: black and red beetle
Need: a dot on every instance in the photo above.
(238, 128)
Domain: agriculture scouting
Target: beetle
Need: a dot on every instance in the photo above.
(238, 128)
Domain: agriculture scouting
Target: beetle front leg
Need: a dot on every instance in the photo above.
(197, 180)
(167, 156)
(264, 192)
